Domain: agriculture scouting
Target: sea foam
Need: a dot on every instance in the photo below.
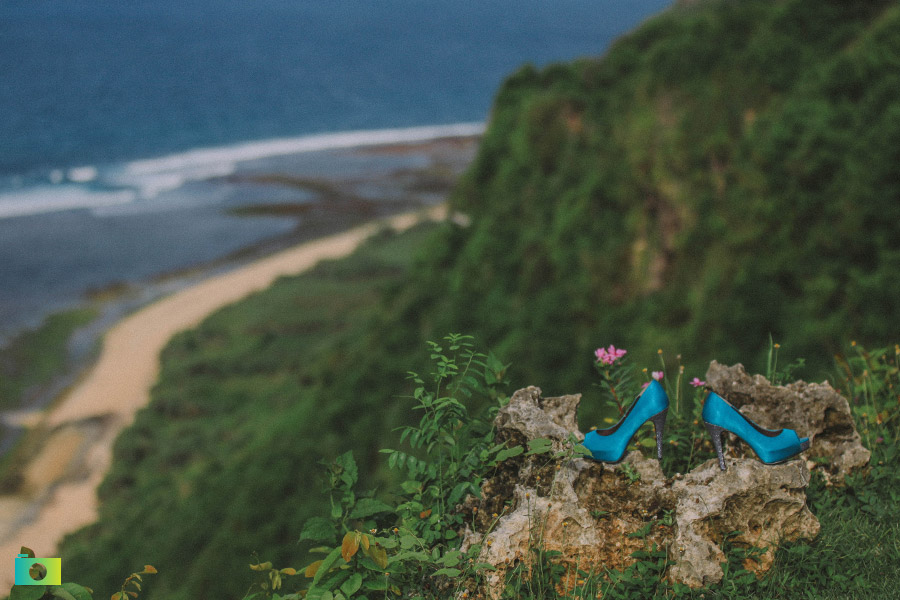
(155, 175)
(53, 198)
(95, 187)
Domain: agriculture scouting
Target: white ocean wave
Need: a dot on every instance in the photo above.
(82, 174)
(53, 198)
(143, 180)
(232, 155)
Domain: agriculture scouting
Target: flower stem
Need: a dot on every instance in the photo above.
(618, 402)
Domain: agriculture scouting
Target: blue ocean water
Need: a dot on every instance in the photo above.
(96, 81)
(107, 104)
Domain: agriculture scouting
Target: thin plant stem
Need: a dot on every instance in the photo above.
(678, 389)
(615, 396)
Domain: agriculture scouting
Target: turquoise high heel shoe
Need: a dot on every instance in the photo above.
(771, 446)
(608, 445)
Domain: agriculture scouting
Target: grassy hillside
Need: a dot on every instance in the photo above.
(726, 172)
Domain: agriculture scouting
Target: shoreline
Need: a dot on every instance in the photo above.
(57, 494)
(323, 205)
(120, 183)
(217, 218)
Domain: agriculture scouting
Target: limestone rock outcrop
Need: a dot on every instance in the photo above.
(814, 410)
(765, 503)
(597, 514)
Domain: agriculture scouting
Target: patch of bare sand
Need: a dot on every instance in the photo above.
(67, 470)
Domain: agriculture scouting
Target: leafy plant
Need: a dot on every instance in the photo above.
(616, 376)
(411, 546)
(134, 581)
(644, 578)
(630, 472)
(871, 381)
(775, 376)
(454, 448)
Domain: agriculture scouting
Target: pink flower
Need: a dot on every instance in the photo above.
(608, 356)
(696, 382)
(657, 375)
(644, 385)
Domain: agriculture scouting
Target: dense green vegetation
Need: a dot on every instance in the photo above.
(726, 172)
(30, 360)
(31, 365)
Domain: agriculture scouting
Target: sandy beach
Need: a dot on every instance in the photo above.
(57, 494)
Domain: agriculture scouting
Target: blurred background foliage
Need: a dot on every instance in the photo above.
(726, 172)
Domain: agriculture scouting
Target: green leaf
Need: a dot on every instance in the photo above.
(318, 529)
(411, 487)
(27, 592)
(458, 492)
(404, 555)
(642, 532)
(376, 585)
(349, 471)
(539, 446)
(387, 542)
(350, 586)
(61, 592)
(367, 507)
(78, 591)
(580, 449)
(448, 572)
(509, 453)
(451, 559)
(335, 579)
(407, 542)
(366, 562)
(327, 563)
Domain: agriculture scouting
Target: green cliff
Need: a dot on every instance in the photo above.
(727, 172)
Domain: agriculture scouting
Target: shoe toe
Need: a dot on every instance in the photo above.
(804, 444)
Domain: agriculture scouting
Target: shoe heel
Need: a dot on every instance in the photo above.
(659, 424)
(715, 432)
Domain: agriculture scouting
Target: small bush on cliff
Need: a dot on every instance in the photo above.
(410, 547)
